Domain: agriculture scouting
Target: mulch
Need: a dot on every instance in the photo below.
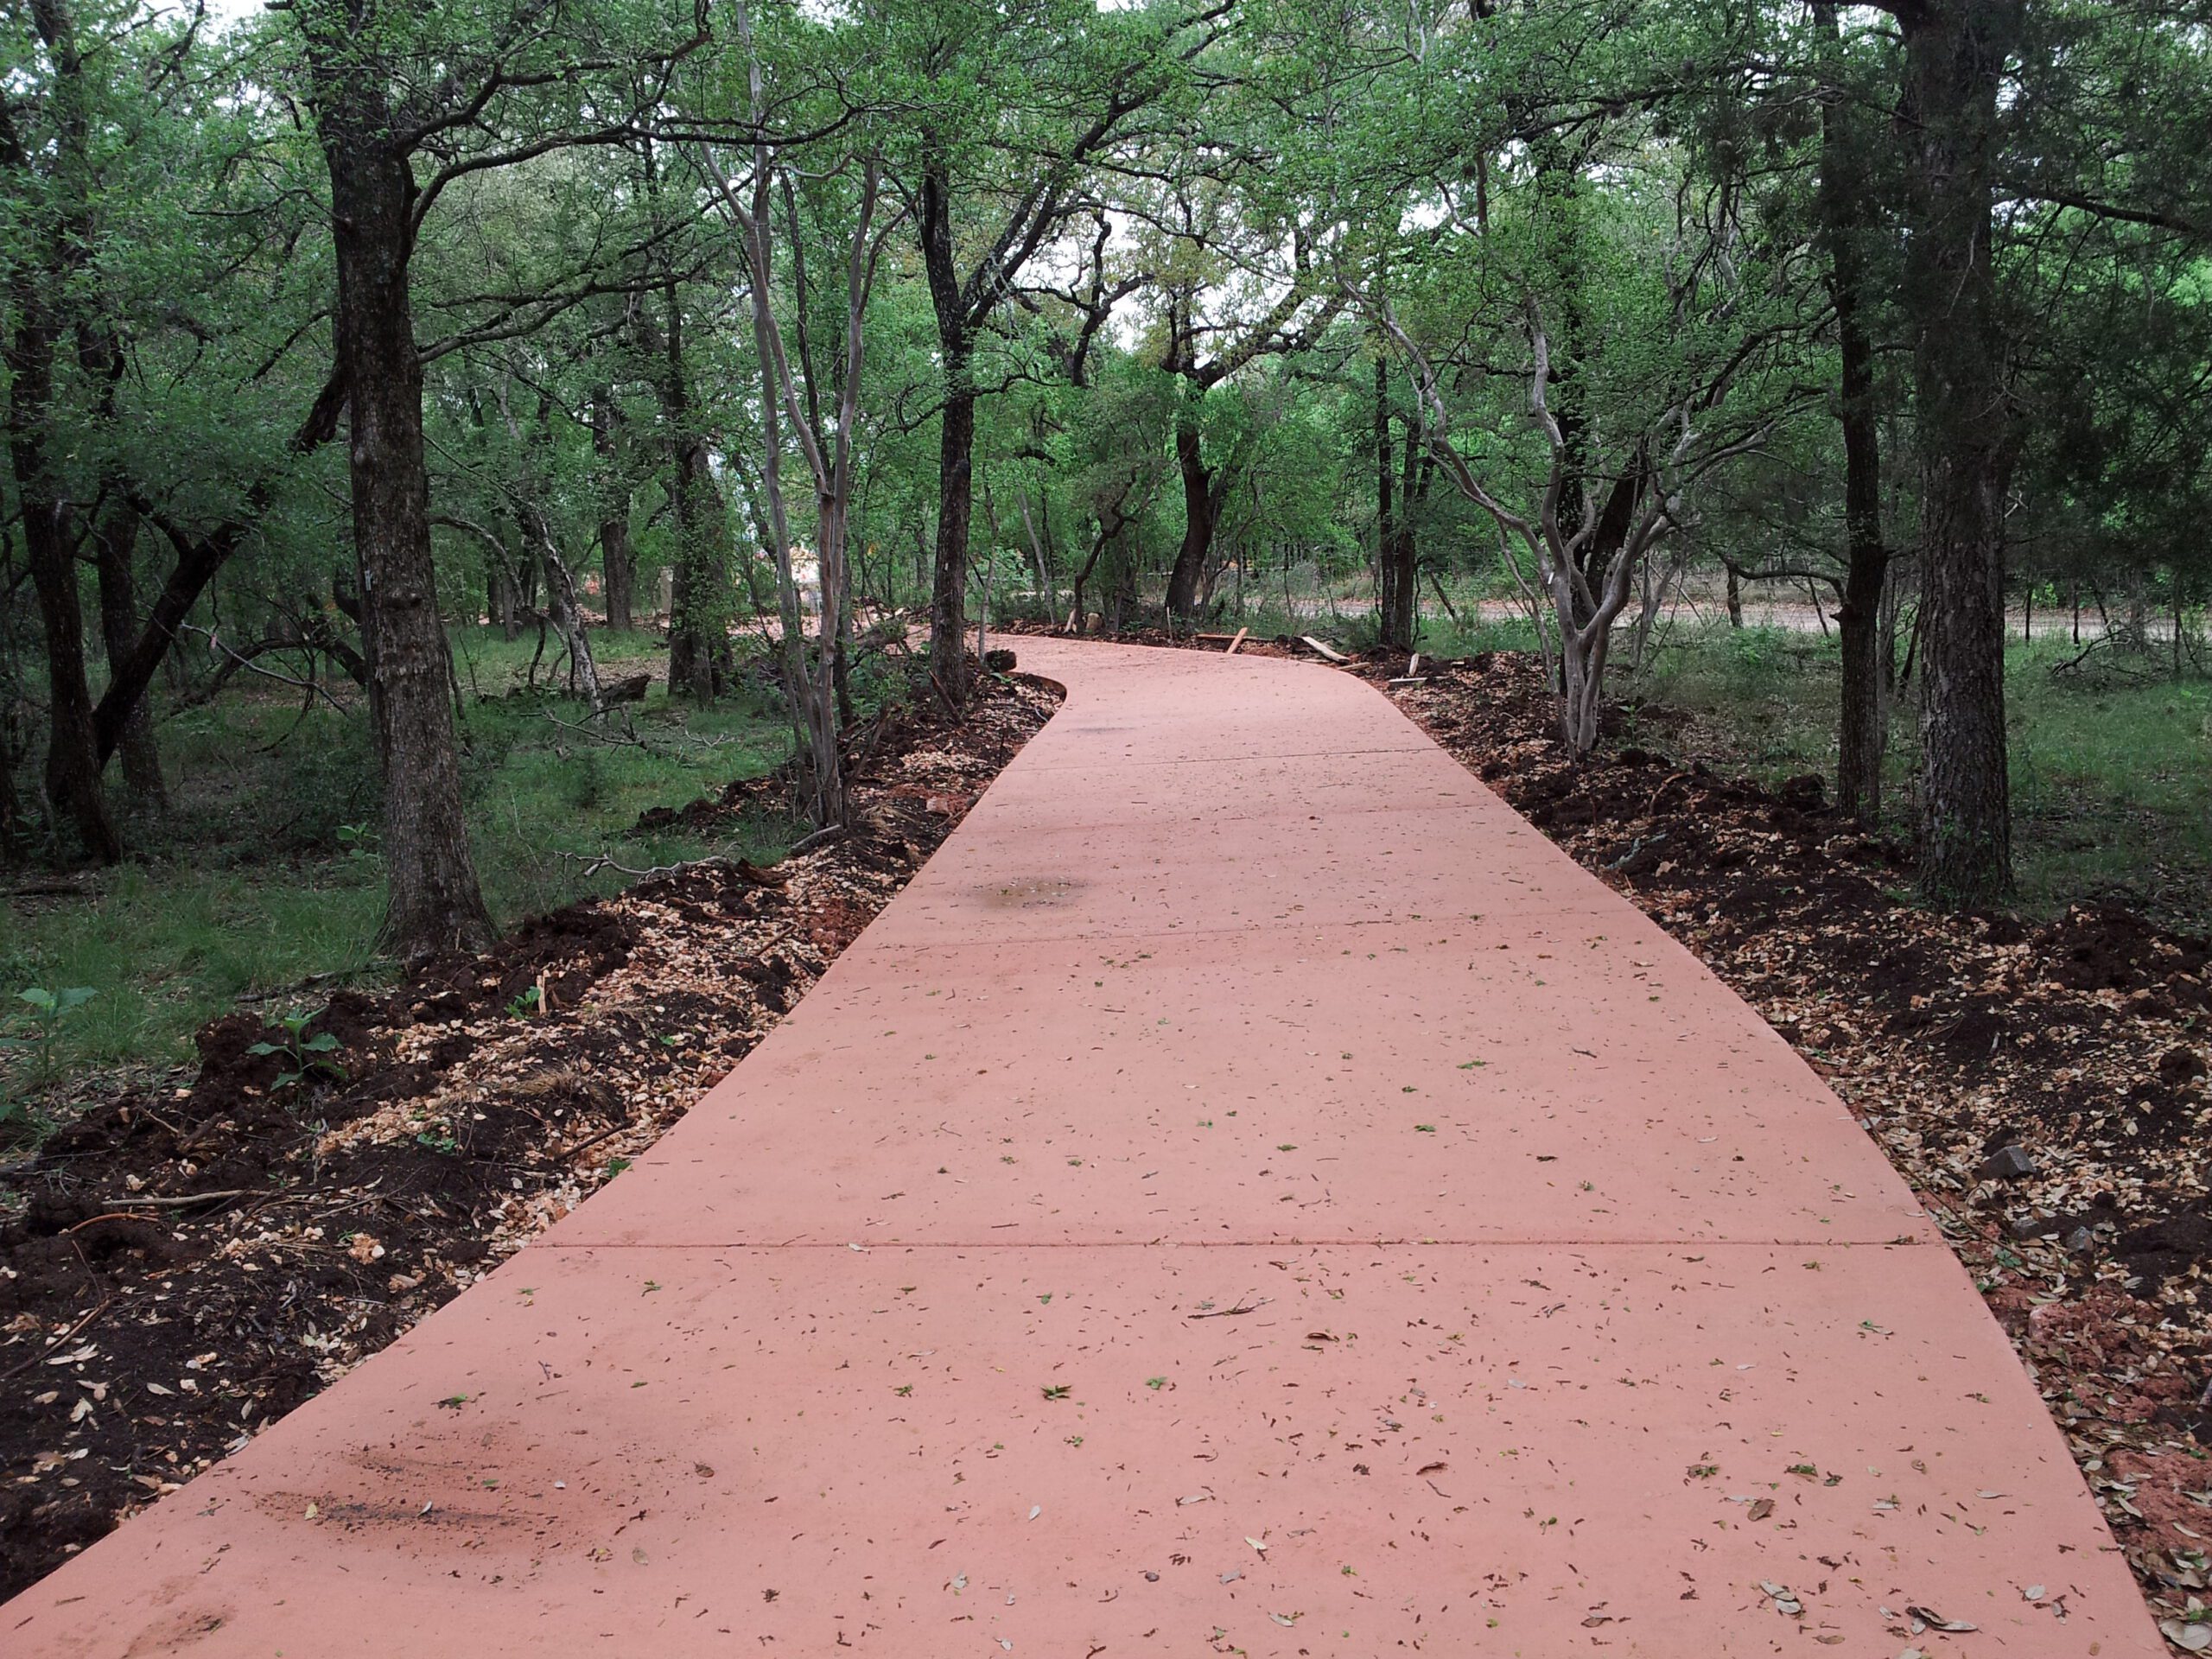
(182, 1265)
(2042, 1085)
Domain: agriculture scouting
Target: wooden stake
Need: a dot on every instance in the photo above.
(1333, 656)
(1237, 641)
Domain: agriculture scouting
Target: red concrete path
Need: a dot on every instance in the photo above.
(1251, 1193)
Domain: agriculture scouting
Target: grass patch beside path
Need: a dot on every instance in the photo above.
(265, 871)
(2112, 780)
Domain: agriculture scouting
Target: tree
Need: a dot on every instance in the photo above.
(53, 179)
(828, 454)
(364, 61)
(1956, 52)
(1060, 84)
(1846, 226)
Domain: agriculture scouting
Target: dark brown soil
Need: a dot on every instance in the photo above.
(179, 1269)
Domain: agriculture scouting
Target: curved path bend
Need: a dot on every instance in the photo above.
(1251, 1193)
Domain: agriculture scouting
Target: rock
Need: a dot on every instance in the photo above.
(630, 690)
(2007, 1163)
(2081, 1241)
(999, 662)
(2030, 1227)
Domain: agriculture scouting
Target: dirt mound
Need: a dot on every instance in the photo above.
(2105, 948)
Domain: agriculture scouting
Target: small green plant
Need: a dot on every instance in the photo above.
(357, 841)
(48, 1009)
(304, 1057)
(525, 1003)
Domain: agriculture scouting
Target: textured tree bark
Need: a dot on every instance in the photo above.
(618, 558)
(956, 506)
(502, 603)
(1863, 732)
(567, 615)
(1200, 507)
(956, 439)
(73, 763)
(1386, 530)
(115, 548)
(128, 676)
(37, 282)
(1397, 575)
(1955, 57)
(433, 902)
(696, 641)
(72, 772)
(115, 541)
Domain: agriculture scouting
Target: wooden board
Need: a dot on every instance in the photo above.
(1237, 641)
(1334, 656)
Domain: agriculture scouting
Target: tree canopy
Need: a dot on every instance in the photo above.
(338, 323)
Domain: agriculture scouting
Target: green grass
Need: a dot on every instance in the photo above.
(2112, 782)
(265, 872)
(1471, 635)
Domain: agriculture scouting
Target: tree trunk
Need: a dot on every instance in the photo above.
(696, 641)
(1385, 479)
(1399, 589)
(562, 608)
(1197, 519)
(956, 439)
(618, 558)
(433, 902)
(1864, 724)
(73, 766)
(115, 541)
(502, 605)
(1954, 56)
(1735, 599)
(697, 645)
(955, 506)
(72, 772)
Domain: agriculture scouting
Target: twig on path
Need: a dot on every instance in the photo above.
(1245, 1304)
